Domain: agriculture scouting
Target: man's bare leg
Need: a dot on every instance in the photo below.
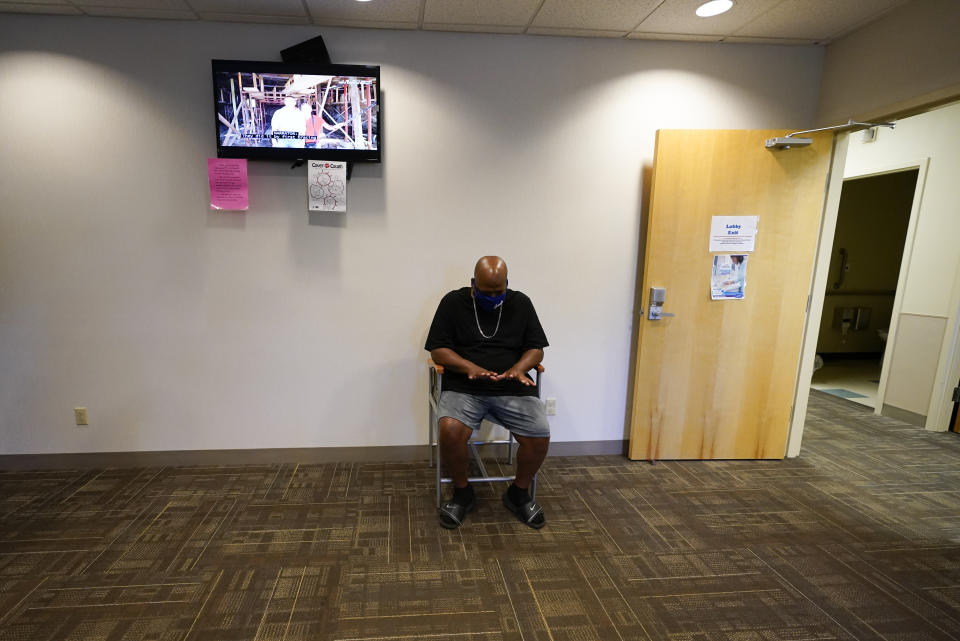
(453, 449)
(530, 456)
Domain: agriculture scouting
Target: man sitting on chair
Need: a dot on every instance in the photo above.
(488, 337)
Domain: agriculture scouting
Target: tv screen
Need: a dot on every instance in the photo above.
(278, 110)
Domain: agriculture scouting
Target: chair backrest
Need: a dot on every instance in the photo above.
(436, 381)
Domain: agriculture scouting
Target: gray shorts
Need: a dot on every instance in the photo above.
(522, 415)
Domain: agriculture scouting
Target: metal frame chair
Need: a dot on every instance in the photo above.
(436, 384)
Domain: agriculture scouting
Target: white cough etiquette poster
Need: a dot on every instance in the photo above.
(327, 185)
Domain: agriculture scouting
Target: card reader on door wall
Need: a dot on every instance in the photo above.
(658, 296)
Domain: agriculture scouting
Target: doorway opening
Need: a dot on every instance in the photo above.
(955, 414)
(861, 287)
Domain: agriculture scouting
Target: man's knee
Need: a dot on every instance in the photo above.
(453, 430)
(534, 442)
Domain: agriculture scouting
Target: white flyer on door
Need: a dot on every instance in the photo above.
(733, 233)
(327, 185)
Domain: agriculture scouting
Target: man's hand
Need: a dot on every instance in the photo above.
(475, 372)
(516, 374)
(449, 358)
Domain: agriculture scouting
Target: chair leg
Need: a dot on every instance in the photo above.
(509, 448)
(476, 459)
(433, 424)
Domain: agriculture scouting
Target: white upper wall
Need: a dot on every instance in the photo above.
(181, 328)
(935, 258)
(907, 58)
(923, 367)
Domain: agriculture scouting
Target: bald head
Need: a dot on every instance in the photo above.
(490, 275)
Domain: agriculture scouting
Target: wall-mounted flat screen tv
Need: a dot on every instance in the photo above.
(284, 111)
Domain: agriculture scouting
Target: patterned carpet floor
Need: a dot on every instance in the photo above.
(858, 538)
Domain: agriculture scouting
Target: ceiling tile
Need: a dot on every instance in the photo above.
(769, 41)
(250, 7)
(222, 16)
(488, 12)
(679, 16)
(49, 9)
(376, 11)
(155, 14)
(681, 37)
(577, 33)
(364, 24)
(165, 5)
(814, 19)
(601, 15)
(472, 28)
(791, 22)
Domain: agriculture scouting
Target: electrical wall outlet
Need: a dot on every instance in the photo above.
(551, 406)
(80, 414)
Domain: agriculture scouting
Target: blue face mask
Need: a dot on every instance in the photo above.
(487, 303)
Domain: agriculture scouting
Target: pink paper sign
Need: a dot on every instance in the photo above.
(228, 183)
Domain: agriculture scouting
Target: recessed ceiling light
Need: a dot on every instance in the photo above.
(714, 8)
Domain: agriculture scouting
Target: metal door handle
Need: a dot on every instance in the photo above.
(656, 313)
(843, 269)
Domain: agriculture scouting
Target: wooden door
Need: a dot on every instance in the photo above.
(717, 380)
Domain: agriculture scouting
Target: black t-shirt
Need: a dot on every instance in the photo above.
(455, 327)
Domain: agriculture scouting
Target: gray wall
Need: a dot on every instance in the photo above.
(182, 328)
(909, 57)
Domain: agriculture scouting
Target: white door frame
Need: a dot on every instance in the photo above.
(921, 165)
(811, 332)
(818, 287)
(948, 372)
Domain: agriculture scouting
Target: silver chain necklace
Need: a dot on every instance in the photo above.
(477, 318)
